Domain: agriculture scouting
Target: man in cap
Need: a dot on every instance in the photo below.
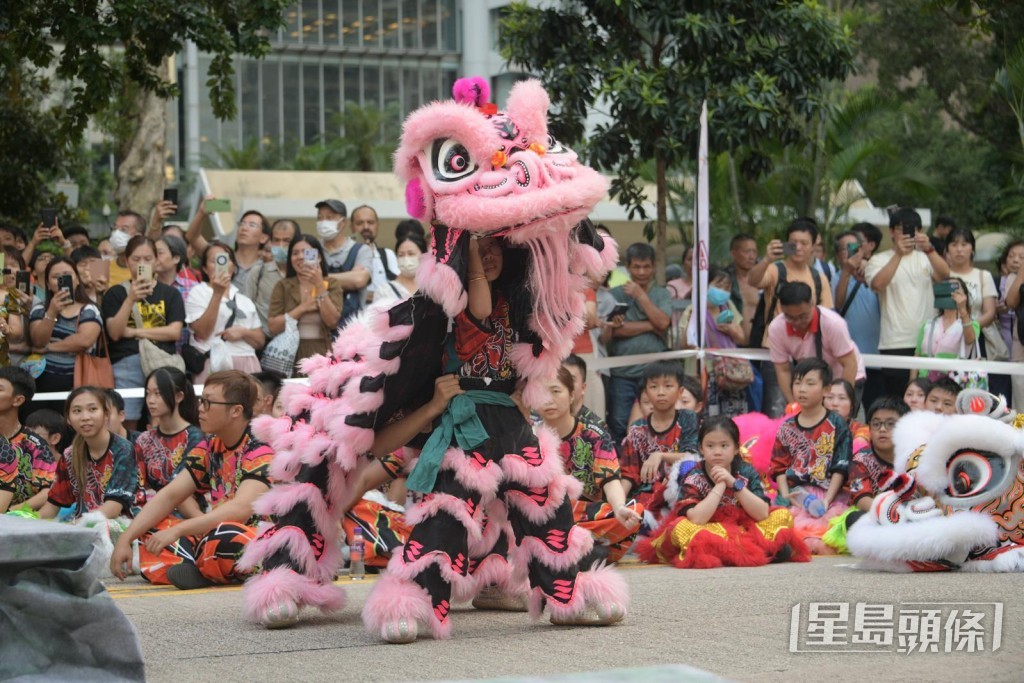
(347, 260)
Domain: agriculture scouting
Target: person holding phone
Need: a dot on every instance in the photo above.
(14, 307)
(218, 313)
(307, 295)
(902, 277)
(789, 261)
(48, 231)
(253, 232)
(270, 270)
(159, 308)
(127, 225)
(63, 325)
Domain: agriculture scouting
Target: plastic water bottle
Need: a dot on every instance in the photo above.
(813, 505)
(356, 569)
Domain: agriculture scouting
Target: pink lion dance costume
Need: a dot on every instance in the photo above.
(499, 511)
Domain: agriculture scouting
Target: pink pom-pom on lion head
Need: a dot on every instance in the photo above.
(473, 90)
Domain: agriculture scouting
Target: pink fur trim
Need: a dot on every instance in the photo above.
(394, 598)
(491, 528)
(270, 430)
(603, 585)
(472, 90)
(397, 566)
(290, 539)
(528, 105)
(442, 284)
(610, 253)
(436, 502)
(535, 467)
(580, 542)
(484, 479)
(282, 499)
(280, 584)
(416, 200)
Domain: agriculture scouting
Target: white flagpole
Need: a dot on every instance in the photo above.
(701, 220)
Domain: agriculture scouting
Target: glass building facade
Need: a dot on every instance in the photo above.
(385, 55)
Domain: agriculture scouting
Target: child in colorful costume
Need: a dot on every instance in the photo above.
(469, 170)
(723, 515)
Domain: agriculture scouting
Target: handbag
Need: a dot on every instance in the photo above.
(151, 356)
(995, 345)
(279, 354)
(94, 371)
(733, 374)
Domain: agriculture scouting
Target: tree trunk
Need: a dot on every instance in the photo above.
(140, 174)
(661, 224)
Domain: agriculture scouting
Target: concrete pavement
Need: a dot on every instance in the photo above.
(733, 623)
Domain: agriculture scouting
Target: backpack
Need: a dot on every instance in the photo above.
(761, 320)
(352, 303)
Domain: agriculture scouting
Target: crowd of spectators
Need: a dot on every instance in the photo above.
(168, 307)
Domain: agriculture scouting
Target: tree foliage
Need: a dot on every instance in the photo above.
(649, 64)
(76, 41)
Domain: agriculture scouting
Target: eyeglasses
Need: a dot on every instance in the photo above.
(250, 224)
(205, 403)
(887, 425)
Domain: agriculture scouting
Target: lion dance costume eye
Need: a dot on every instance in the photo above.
(958, 500)
(493, 513)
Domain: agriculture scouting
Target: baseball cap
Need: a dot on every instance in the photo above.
(335, 205)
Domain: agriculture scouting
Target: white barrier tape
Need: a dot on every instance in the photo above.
(870, 360)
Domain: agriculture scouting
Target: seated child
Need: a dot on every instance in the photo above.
(917, 393)
(98, 471)
(691, 397)
(941, 397)
(873, 464)
(51, 428)
(653, 444)
(811, 457)
(841, 399)
(588, 455)
(723, 516)
(27, 464)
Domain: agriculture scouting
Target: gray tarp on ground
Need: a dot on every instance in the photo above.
(57, 622)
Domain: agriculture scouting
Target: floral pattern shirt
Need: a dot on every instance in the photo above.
(27, 465)
(589, 456)
(811, 455)
(219, 470)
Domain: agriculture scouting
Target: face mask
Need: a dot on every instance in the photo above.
(327, 230)
(280, 254)
(408, 265)
(119, 240)
(717, 297)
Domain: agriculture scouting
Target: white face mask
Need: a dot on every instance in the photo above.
(119, 240)
(408, 265)
(327, 230)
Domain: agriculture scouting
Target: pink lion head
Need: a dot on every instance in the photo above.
(469, 166)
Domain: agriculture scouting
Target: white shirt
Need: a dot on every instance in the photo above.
(199, 299)
(379, 283)
(907, 302)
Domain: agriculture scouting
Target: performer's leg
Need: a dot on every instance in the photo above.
(495, 584)
(299, 554)
(416, 589)
(550, 546)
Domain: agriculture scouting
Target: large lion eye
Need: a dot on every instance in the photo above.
(971, 472)
(451, 160)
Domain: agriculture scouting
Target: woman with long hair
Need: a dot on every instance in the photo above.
(218, 313)
(98, 471)
(62, 326)
(307, 296)
(174, 414)
(408, 251)
(143, 299)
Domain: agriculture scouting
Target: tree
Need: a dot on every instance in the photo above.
(80, 43)
(648, 64)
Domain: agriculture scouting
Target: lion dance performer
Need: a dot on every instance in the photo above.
(472, 171)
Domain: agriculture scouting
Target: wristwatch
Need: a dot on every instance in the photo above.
(739, 485)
